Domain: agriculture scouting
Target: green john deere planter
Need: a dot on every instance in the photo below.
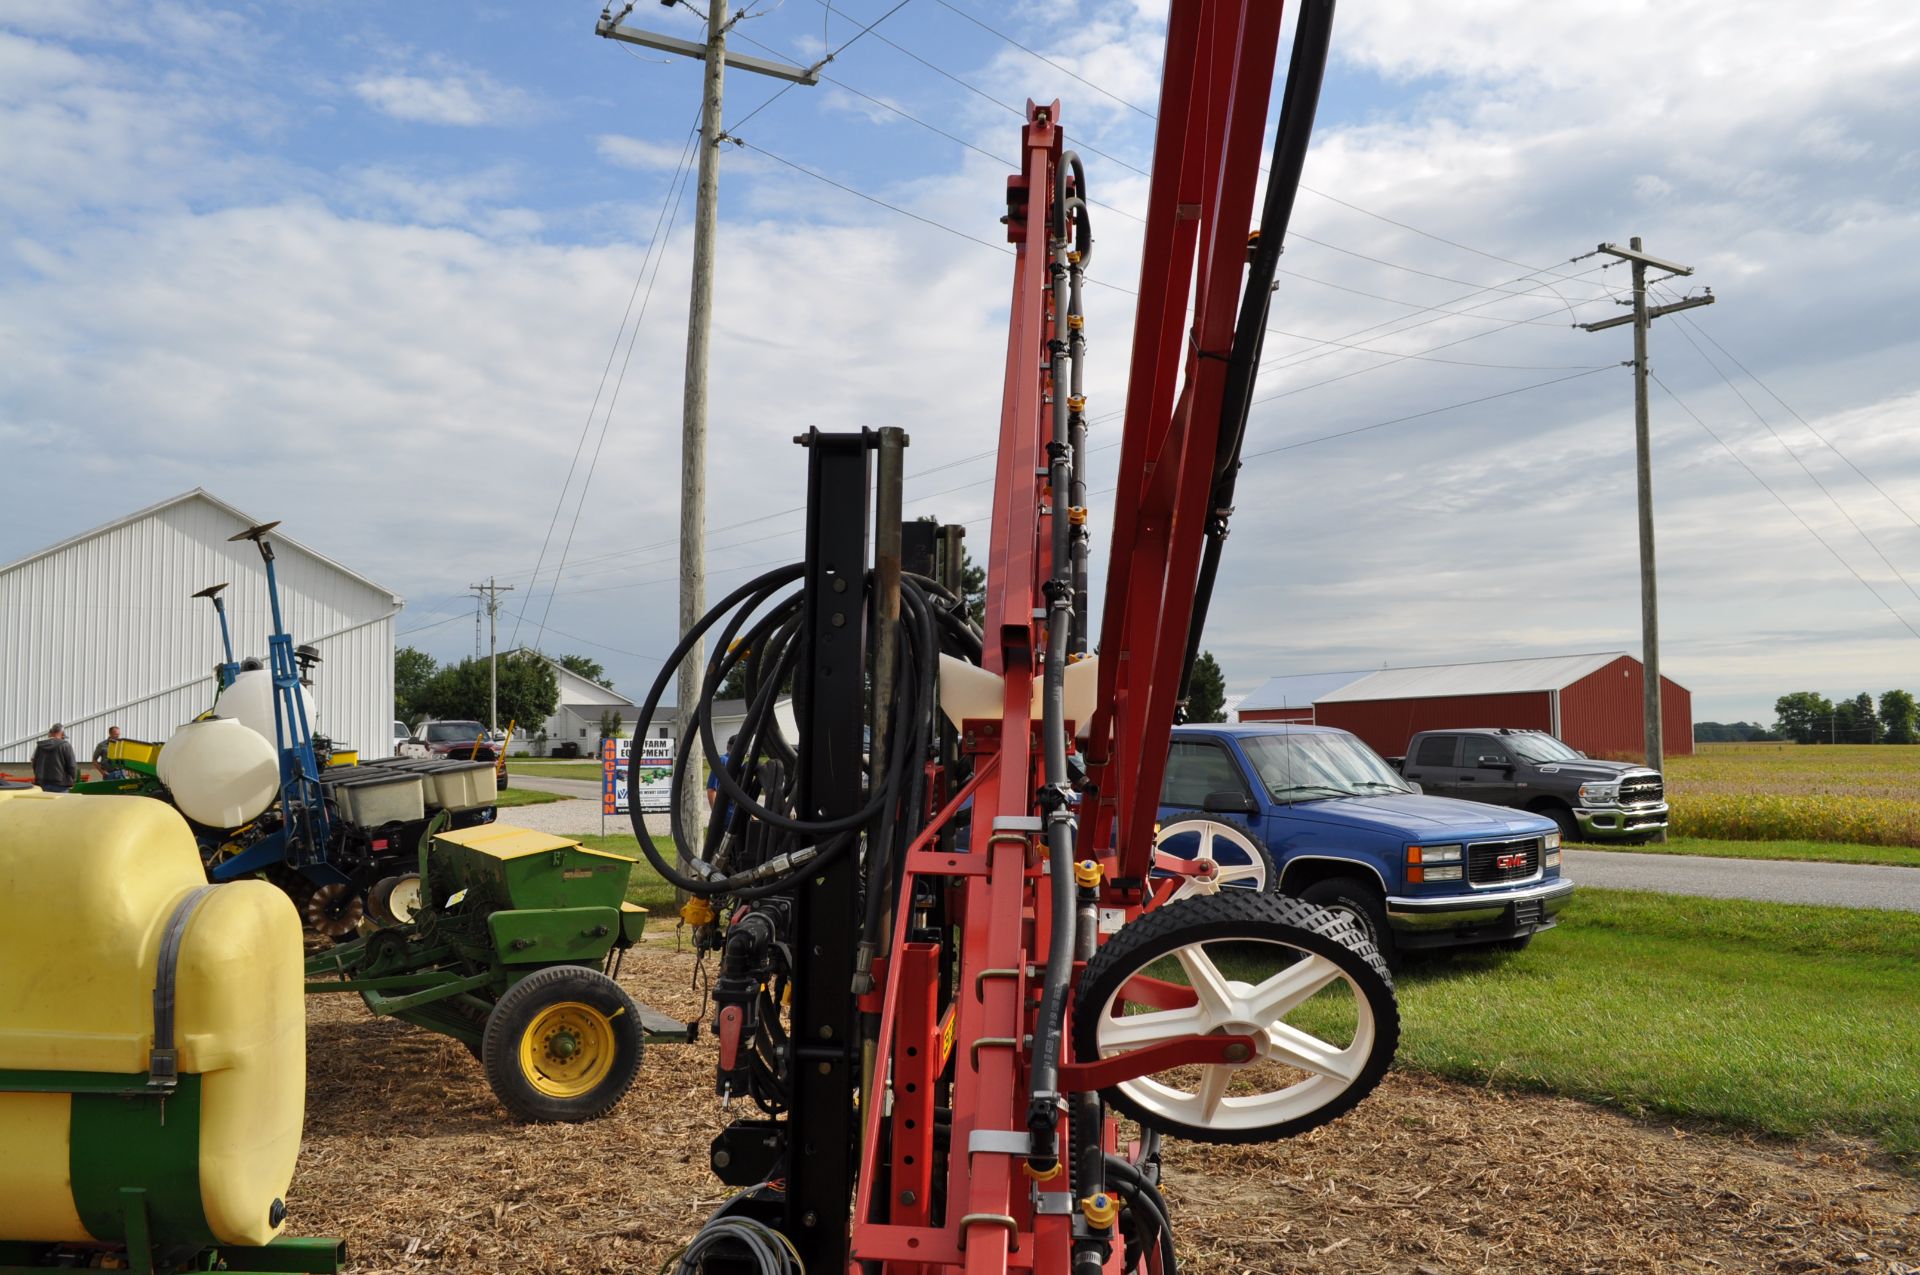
(506, 940)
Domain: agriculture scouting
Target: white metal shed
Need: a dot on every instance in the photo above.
(102, 629)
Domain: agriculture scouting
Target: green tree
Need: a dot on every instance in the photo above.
(1897, 713)
(612, 725)
(1805, 717)
(412, 670)
(1207, 692)
(1865, 726)
(529, 691)
(584, 666)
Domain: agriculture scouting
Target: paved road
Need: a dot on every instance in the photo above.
(1852, 885)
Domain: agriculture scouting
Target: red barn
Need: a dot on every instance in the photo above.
(1593, 702)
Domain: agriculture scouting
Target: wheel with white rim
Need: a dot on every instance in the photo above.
(394, 900)
(1301, 982)
(1241, 860)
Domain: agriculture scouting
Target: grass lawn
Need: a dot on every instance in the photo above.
(553, 769)
(645, 887)
(1779, 1018)
(525, 797)
(1811, 851)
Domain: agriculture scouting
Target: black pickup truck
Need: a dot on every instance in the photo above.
(1530, 769)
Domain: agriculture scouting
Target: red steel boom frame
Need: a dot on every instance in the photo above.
(1217, 84)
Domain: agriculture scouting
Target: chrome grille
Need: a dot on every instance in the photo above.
(1641, 790)
(1484, 860)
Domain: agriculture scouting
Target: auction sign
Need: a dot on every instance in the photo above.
(656, 775)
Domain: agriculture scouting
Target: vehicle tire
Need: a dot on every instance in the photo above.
(1115, 1011)
(1245, 862)
(562, 1045)
(1362, 903)
(394, 900)
(500, 781)
(1562, 818)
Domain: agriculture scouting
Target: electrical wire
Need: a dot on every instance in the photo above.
(594, 407)
(782, 92)
(1782, 500)
(1804, 468)
(683, 174)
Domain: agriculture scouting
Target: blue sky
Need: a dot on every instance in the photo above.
(360, 266)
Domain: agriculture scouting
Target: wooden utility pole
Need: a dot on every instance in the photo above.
(492, 592)
(693, 410)
(1641, 318)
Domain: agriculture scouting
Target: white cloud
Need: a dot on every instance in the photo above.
(459, 98)
(637, 152)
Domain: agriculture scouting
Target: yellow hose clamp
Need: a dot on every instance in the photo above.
(1100, 1210)
(1077, 515)
(1077, 403)
(1026, 1167)
(1075, 322)
(1073, 257)
(697, 912)
(1087, 873)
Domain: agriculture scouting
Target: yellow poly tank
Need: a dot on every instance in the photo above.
(90, 888)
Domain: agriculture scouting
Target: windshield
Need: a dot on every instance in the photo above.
(1536, 747)
(454, 732)
(1303, 767)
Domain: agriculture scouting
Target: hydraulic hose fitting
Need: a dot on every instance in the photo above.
(697, 911)
(862, 969)
(1100, 1210)
(1087, 874)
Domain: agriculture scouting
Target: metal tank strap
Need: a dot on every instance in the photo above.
(163, 1066)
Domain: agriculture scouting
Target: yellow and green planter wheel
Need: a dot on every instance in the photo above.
(563, 1044)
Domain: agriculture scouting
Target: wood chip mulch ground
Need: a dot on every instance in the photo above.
(410, 1159)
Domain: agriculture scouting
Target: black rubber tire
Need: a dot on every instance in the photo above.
(1239, 826)
(515, 1014)
(1226, 916)
(1362, 904)
(1563, 819)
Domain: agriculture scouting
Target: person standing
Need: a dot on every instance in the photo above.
(54, 768)
(106, 765)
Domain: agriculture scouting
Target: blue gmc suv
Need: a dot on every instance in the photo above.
(1333, 824)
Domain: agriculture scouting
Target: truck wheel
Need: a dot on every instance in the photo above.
(1563, 819)
(1245, 862)
(1361, 902)
(563, 1044)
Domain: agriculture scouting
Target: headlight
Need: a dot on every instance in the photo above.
(1443, 874)
(1551, 841)
(1600, 794)
(1433, 854)
(1553, 859)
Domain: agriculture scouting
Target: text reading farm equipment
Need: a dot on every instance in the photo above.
(505, 940)
(963, 830)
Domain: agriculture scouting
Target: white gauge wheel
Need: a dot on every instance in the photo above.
(1249, 866)
(404, 899)
(1309, 950)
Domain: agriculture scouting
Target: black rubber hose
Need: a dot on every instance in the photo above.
(1312, 36)
(1132, 1186)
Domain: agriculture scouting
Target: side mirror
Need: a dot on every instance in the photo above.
(1417, 789)
(1228, 802)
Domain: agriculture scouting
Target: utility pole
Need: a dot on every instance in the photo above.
(492, 593)
(693, 416)
(1641, 318)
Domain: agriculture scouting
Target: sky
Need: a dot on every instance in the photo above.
(414, 280)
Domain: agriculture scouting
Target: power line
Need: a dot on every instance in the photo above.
(1754, 474)
(594, 407)
(1804, 468)
(1830, 445)
(659, 258)
(782, 91)
(1044, 58)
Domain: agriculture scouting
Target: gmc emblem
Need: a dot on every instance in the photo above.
(1506, 861)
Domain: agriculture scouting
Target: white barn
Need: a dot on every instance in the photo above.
(576, 719)
(102, 629)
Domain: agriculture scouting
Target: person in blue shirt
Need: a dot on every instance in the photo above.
(713, 784)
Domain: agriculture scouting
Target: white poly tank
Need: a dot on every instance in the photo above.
(221, 773)
(250, 701)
